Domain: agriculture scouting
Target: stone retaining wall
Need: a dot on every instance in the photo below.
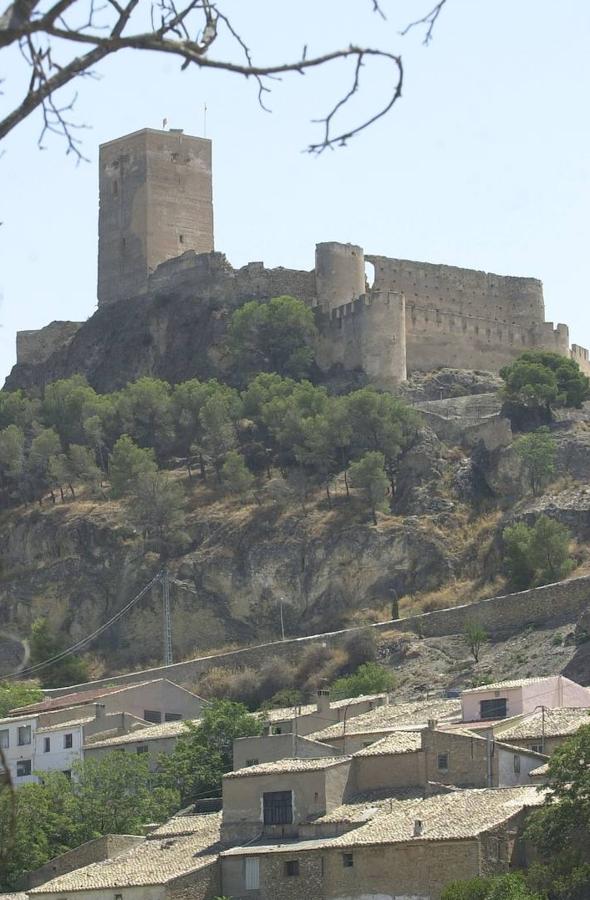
(500, 616)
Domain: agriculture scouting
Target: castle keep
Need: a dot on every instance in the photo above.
(388, 317)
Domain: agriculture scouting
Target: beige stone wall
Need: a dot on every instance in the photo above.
(269, 748)
(204, 884)
(155, 191)
(37, 346)
(398, 770)
(106, 847)
(581, 356)
(501, 616)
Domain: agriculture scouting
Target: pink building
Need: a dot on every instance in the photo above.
(520, 697)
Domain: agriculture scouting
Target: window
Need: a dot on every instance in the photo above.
(252, 873)
(537, 748)
(278, 807)
(516, 764)
(115, 187)
(46, 745)
(442, 762)
(172, 717)
(252, 762)
(5, 738)
(23, 767)
(181, 238)
(493, 709)
(68, 741)
(24, 735)
(347, 860)
(152, 715)
(67, 773)
(292, 868)
(141, 748)
(118, 896)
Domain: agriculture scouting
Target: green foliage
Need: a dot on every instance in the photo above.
(156, 506)
(235, 474)
(475, 635)
(501, 887)
(277, 336)
(537, 554)
(205, 752)
(144, 409)
(539, 378)
(128, 463)
(18, 693)
(368, 475)
(370, 678)
(63, 406)
(115, 794)
(44, 646)
(537, 451)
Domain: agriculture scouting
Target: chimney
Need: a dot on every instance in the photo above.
(432, 724)
(323, 702)
(267, 729)
(418, 827)
(99, 710)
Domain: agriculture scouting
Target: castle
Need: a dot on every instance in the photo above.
(156, 232)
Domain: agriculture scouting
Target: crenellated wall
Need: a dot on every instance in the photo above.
(436, 337)
(369, 334)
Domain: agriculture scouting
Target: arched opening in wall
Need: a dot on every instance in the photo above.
(369, 275)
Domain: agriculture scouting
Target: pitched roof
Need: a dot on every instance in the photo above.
(508, 685)
(61, 726)
(394, 743)
(142, 735)
(77, 698)
(540, 771)
(393, 717)
(457, 815)
(290, 712)
(157, 860)
(286, 766)
(554, 723)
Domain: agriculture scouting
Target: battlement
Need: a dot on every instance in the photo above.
(581, 356)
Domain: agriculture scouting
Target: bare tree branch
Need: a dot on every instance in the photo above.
(429, 19)
(187, 29)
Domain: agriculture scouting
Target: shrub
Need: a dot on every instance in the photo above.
(537, 554)
(370, 678)
(361, 648)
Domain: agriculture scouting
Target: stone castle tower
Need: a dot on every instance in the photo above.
(156, 202)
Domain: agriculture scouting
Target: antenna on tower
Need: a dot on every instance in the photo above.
(204, 120)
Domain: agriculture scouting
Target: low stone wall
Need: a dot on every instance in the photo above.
(500, 616)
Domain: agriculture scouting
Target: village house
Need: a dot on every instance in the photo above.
(250, 751)
(303, 719)
(152, 740)
(177, 861)
(350, 736)
(543, 730)
(50, 736)
(407, 848)
(522, 696)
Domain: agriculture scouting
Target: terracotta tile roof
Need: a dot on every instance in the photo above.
(78, 698)
(507, 685)
(141, 735)
(61, 726)
(289, 765)
(289, 712)
(458, 815)
(157, 860)
(393, 717)
(177, 826)
(540, 771)
(394, 743)
(558, 722)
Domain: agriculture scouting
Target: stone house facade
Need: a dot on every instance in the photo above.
(522, 696)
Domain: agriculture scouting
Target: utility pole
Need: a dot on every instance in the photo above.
(282, 623)
(165, 581)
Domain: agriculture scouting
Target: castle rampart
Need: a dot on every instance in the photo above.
(580, 354)
(37, 346)
(339, 274)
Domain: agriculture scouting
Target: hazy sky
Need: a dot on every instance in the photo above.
(484, 163)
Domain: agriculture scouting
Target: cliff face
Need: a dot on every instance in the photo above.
(79, 563)
(172, 337)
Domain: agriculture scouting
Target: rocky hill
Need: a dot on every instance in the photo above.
(321, 565)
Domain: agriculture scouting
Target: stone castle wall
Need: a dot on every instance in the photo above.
(37, 346)
(155, 192)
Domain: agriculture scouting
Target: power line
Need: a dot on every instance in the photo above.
(84, 641)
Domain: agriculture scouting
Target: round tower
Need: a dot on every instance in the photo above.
(339, 274)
